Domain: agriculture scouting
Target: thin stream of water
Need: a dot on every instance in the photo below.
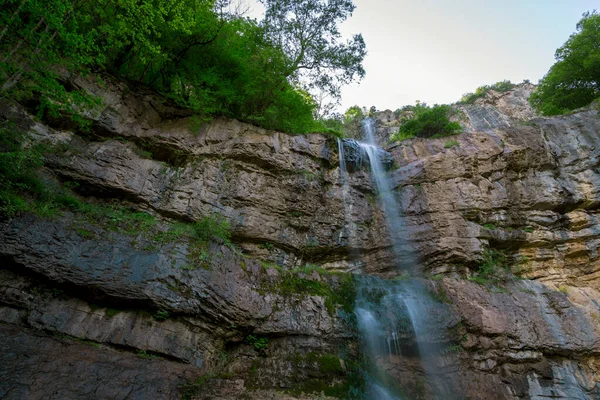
(391, 316)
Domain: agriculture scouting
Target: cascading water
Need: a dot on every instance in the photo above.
(395, 319)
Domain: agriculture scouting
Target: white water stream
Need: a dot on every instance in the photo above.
(392, 316)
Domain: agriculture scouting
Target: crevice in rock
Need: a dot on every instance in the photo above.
(89, 294)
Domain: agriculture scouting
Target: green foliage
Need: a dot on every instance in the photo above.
(214, 62)
(307, 33)
(481, 91)
(292, 283)
(353, 118)
(213, 228)
(259, 343)
(192, 389)
(453, 348)
(267, 246)
(354, 113)
(36, 36)
(111, 312)
(451, 143)
(332, 126)
(146, 355)
(427, 122)
(339, 295)
(574, 80)
(335, 381)
(18, 173)
(493, 269)
(439, 295)
(113, 216)
(161, 315)
(329, 364)
(198, 256)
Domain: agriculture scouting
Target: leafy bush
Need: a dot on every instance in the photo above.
(493, 269)
(574, 80)
(161, 315)
(502, 86)
(428, 122)
(213, 228)
(260, 344)
(18, 173)
(352, 122)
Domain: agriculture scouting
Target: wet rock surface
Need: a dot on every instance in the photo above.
(514, 183)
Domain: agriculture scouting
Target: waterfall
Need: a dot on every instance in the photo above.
(395, 318)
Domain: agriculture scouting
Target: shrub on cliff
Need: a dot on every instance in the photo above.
(427, 122)
(502, 86)
(574, 80)
(18, 172)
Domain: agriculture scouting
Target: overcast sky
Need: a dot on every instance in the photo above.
(436, 50)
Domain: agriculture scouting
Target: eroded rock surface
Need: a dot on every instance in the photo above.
(523, 185)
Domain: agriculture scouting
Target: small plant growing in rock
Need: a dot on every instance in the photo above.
(451, 143)
(259, 343)
(213, 228)
(563, 289)
(267, 246)
(145, 354)
(493, 269)
(161, 315)
(439, 295)
(454, 348)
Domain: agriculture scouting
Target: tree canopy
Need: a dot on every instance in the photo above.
(314, 55)
(195, 51)
(574, 80)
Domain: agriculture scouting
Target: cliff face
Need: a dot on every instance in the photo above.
(141, 322)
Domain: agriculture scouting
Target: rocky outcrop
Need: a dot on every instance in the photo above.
(146, 318)
(38, 366)
(128, 297)
(530, 190)
(491, 111)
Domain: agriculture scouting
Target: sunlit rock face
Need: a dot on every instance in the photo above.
(513, 182)
(532, 190)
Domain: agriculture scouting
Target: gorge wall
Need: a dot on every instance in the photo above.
(90, 312)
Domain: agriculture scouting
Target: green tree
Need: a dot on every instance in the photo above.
(212, 61)
(574, 80)
(314, 54)
(36, 37)
(353, 118)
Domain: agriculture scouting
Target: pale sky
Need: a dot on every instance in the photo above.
(436, 50)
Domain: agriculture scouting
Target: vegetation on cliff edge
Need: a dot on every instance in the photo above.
(574, 80)
(202, 53)
(427, 122)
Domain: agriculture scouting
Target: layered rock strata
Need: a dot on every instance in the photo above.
(140, 323)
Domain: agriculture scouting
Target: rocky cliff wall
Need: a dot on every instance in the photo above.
(148, 325)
